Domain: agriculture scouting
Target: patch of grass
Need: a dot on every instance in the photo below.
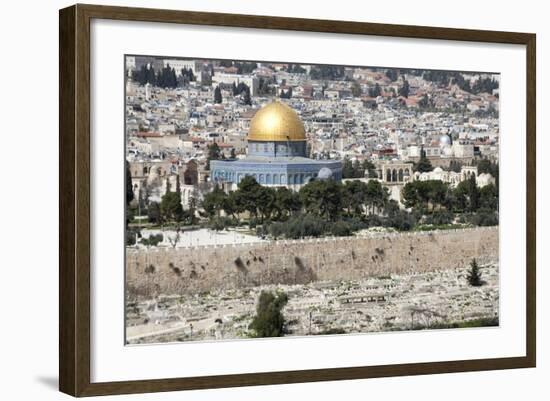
(333, 330)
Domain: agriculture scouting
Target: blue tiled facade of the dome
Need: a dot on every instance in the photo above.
(279, 171)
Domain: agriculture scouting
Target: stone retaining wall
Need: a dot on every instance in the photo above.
(191, 270)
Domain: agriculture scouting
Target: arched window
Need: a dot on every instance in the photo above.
(283, 179)
(261, 178)
(388, 175)
(400, 175)
(268, 179)
(394, 175)
(276, 179)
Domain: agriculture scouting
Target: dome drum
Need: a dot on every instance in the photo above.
(277, 149)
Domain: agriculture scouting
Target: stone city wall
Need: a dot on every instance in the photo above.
(191, 270)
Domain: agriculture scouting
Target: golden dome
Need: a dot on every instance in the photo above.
(276, 122)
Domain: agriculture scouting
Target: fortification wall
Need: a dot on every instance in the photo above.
(190, 270)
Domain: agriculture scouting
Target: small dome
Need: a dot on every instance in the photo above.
(444, 140)
(276, 122)
(438, 170)
(325, 174)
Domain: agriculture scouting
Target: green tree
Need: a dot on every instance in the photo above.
(178, 184)
(266, 201)
(347, 168)
(352, 169)
(192, 209)
(213, 202)
(377, 196)
(424, 102)
(249, 193)
(486, 166)
(467, 195)
(129, 189)
(171, 208)
(375, 91)
(405, 89)
(458, 199)
(322, 198)
(246, 97)
(269, 320)
(287, 202)
(370, 168)
(214, 153)
(474, 275)
(129, 194)
(153, 213)
(392, 74)
(232, 204)
(488, 197)
(424, 195)
(354, 196)
(326, 72)
(424, 164)
(356, 89)
(152, 240)
(218, 95)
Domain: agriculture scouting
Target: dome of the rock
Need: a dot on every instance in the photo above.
(276, 122)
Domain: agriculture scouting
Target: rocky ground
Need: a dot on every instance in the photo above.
(419, 301)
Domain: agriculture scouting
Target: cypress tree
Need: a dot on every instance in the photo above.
(218, 95)
(247, 99)
(129, 189)
(474, 275)
(178, 185)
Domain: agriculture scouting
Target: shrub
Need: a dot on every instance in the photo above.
(131, 234)
(401, 220)
(269, 320)
(439, 218)
(341, 229)
(153, 240)
(483, 217)
(220, 223)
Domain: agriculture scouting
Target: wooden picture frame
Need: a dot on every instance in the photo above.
(75, 206)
